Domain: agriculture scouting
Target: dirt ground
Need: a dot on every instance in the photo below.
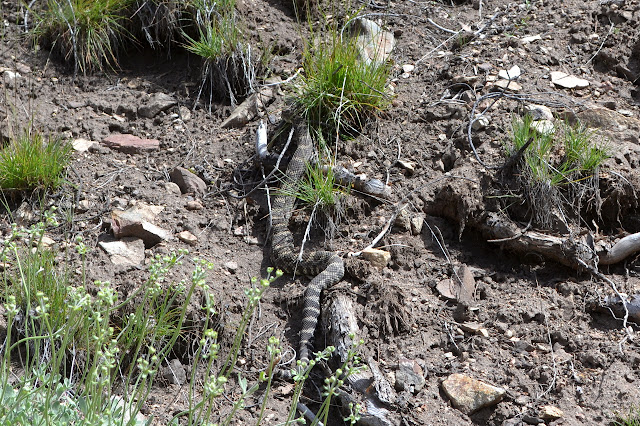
(547, 340)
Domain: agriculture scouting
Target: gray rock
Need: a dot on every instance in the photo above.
(469, 395)
(157, 103)
(539, 112)
(375, 44)
(175, 372)
(231, 266)
(172, 188)
(187, 181)
(409, 376)
(127, 251)
(249, 109)
(567, 81)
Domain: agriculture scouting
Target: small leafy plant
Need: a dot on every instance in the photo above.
(29, 161)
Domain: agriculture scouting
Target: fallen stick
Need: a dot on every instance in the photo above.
(621, 250)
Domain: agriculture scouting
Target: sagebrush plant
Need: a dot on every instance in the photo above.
(559, 169)
(229, 71)
(88, 33)
(338, 91)
(31, 161)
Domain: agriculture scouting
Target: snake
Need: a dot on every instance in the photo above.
(326, 267)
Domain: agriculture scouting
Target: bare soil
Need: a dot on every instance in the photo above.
(548, 341)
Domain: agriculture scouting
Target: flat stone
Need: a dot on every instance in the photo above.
(157, 103)
(127, 251)
(409, 376)
(172, 188)
(82, 145)
(543, 127)
(567, 81)
(513, 73)
(187, 181)
(539, 112)
(134, 222)
(469, 395)
(509, 85)
(531, 39)
(187, 238)
(231, 266)
(549, 412)
(130, 144)
(378, 258)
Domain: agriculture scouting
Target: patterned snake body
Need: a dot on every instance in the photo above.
(326, 267)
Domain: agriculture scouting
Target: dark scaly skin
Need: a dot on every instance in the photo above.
(326, 267)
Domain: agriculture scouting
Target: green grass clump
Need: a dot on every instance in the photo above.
(228, 69)
(559, 169)
(632, 418)
(339, 91)
(29, 162)
(88, 33)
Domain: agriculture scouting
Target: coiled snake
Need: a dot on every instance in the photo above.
(326, 267)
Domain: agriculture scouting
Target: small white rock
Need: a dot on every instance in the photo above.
(82, 145)
(407, 68)
(567, 81)
(543, 127)
(539, 112)
(513, 73)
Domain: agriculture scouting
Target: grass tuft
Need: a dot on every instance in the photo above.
(88, 33)
(559, 169)
(228, 69)
(339, 92)
(29, 162)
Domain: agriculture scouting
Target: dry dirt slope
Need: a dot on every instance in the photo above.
(546, 343)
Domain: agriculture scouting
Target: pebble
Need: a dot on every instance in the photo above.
(187, 238)
(469, 395)
(409, 376)
(82, 145)
(549, 412)
(194, 205)
(417, 222)
(378, 258)
(172, 188)
(407, 68)
(567, 81)
(231, 266)
(513, 73)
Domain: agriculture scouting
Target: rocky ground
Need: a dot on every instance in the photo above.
(449, 305)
